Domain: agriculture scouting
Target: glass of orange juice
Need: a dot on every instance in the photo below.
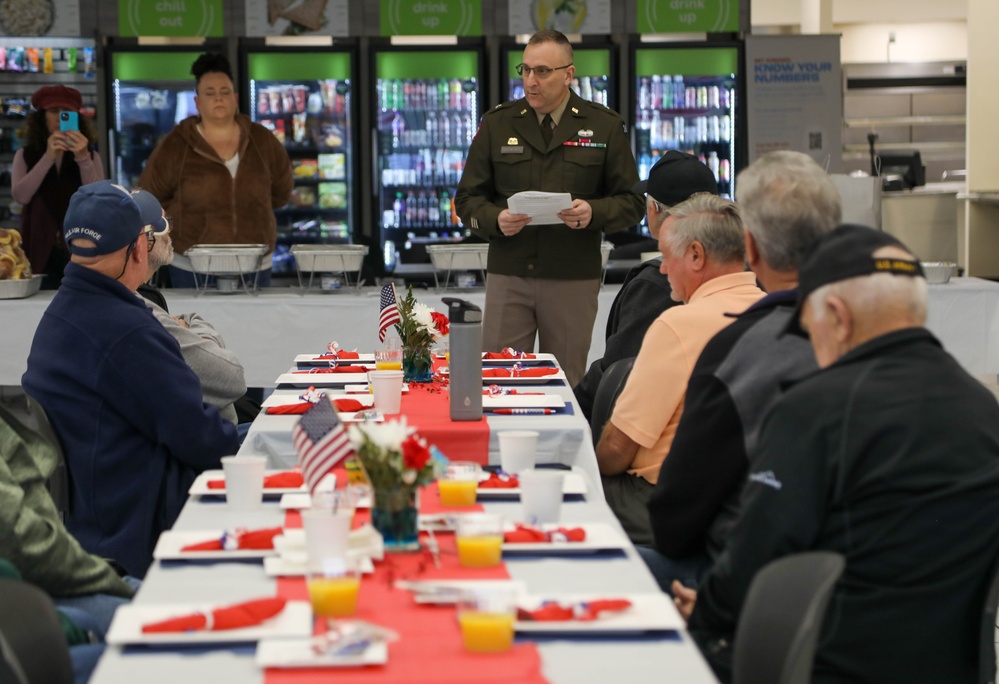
(333, 587)
(459, 484)
(486, 616)
(388, 357)
(480, 540)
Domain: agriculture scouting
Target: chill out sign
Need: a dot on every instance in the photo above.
(170, 17)
(687, 16)
(786, 70)
(430, 17)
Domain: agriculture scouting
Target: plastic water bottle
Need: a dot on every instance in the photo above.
(465, 386)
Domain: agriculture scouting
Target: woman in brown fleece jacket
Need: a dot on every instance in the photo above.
(219, 176)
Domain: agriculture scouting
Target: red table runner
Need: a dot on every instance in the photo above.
(426, 407)
(430, 648)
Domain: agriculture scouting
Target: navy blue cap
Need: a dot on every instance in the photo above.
(103, 213)
(150, 210)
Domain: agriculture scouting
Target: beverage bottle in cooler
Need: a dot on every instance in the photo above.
(445, 202)
(410, 209)
(656, 92)
(726, 128)
(455, 93)
(398, 130)
(714, 128)
(690, 97)
(443, 94)
(702, 97)
(713, 163)
(655, 130)
(399, 209)
(407, 94)
(679, 130)
(431, 128)
(724, 172)
(395, 87)
(421, 209)
(384, 96)
(433, 209)
(702, 129)
(644, 164)
(445, 132)
(457, 132)
(714, 97)
(643, 93)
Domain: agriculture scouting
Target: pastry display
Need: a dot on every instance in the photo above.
(13, 262)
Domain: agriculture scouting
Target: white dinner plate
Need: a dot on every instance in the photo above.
(320, 379)
(294, 653)
(126, 627)
(652, 612)
(448, 592)
(523, 401)
(200, 485)
(315, 360)
(364, 389)
(170, 543)
(292, 566)
(523, 380)
(289, 399)
(599, 537)
(572, 484)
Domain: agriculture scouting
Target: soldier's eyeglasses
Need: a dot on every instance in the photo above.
(542, 72)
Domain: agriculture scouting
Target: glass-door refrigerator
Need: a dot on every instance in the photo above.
(427, 107)
(306, 98)
(687, 97)
(151, 91)
(594, 79)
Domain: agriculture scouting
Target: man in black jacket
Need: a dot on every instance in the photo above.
(889, 456)
(787, 202)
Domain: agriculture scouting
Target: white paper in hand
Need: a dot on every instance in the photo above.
(542, 207)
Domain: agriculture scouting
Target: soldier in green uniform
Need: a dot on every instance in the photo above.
(543, 279)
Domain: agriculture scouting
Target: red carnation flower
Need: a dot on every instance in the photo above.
(440, 322)
(415, 454)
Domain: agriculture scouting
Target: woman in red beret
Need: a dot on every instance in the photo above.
(48, 169)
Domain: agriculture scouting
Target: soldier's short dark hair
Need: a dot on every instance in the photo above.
(552, 36)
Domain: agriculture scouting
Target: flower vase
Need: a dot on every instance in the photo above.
(394, 515)
(416, 364)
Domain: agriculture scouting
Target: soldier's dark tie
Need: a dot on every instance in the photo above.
(546, 129)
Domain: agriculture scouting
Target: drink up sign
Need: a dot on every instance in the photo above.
(688, 16)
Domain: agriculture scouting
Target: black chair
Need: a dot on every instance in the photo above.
(58, 483)
(611, 384)
(10, 666)
(987, 644)
(781, 619)
(36, 646)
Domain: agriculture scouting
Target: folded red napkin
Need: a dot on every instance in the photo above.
(507, 354)
(289, 409)
(584, 611)
(346, 355)
(235, 616)
(498, 481)
(240, 539)
(349, 405)
(521, 373)
(339, 369)
(526, 534)
(289, 479)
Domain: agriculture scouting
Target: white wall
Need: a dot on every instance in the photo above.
(925, 30)
(929, 42)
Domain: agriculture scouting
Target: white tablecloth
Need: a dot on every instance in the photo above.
(271, 328)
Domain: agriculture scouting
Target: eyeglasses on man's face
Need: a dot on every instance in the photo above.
(541, 72)
(150, 240)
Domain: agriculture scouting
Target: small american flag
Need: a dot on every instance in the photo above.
(389, 309)
(321, 442)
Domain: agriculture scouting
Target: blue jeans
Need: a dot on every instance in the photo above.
(689, 571)
(98, 607)
(179, 278)
(84, 659)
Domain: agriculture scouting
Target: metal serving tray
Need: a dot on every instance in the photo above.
(343, 259)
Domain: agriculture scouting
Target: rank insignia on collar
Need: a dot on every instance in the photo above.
(575, 111)
(523, 111)
(585, 133)
(512, 141)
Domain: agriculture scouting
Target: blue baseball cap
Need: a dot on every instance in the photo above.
(150, 210)
(103, 213)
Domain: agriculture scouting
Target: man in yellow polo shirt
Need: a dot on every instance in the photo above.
(703, 248)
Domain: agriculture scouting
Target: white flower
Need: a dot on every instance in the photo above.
(386, 436)
(409, 477)
(421, 314)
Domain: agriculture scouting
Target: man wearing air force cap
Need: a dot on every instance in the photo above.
(889, 455)
(126, 408)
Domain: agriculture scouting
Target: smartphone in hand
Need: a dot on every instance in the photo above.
(69, 121)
